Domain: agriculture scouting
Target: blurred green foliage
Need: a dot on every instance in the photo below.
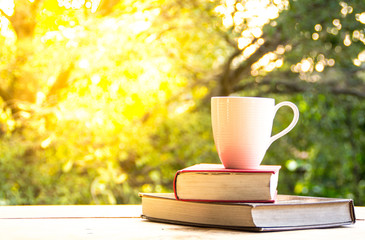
(102, 100)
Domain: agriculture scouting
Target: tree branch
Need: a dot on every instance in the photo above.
(230, 77)
(24, 18)
(62, 82)
(225, 77)
(4, 95)
(4, 14)
(281, 86)
(349, 91)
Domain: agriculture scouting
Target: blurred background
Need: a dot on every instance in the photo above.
(100, 100)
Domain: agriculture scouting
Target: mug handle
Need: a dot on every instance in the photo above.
(291, 125)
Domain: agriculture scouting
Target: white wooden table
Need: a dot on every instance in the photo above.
(111, 222)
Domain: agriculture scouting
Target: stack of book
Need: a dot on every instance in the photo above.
(210, 195)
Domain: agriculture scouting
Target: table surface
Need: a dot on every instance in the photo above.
(123, 222)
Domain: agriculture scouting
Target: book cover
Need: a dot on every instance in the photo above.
(287, 213)
(213, 182)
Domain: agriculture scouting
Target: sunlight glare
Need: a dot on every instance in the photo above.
(255, 13)
(184, 107)
(94, 6)
(5, 30)
(40, 98)
(360, 59)
(361, 56)
(357, 62)
(249, 19)
(360, 17)
(318, 27)
(140, 26)
(257, 32)
(347, 41)
(346, 9)
(337, 24)
(84, 63)
(330, 62)
(95, 79)
(74, 4)
(46, 142)
(260, 41)
(319, 67)
(280, 50)
(7, 6)
(315, 36)
(240, 7)
(306, 65)
(249, 50)
(113, 89)
(51, 80)
(269, 61)
(243, 42)
(279, 63)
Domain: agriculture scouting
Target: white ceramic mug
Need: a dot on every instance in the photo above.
(242, 128)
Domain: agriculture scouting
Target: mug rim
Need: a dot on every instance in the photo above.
(240, 97)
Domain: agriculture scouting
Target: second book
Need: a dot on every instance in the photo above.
(214, 183)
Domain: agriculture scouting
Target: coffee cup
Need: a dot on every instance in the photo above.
(242, 128)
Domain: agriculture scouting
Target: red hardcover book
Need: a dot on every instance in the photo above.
(214, 183)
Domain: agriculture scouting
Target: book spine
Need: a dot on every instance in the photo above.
(352, 211)
(212, 200)
(174, 184)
